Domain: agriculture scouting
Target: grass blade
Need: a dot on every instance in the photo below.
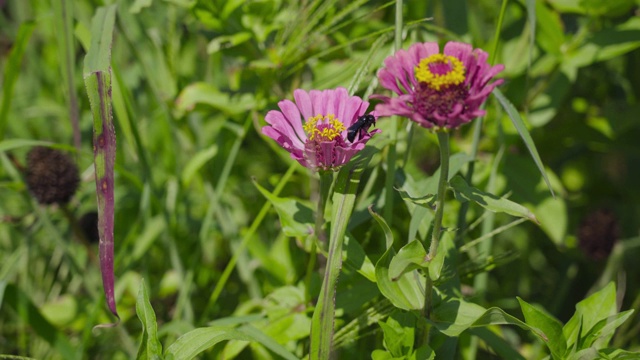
(517, 121)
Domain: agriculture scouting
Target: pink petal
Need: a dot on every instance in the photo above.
(388, 81)
(316, 101)
(292, 115)
(395, 67)
(303, 101)
(279, 122)
(340, 103)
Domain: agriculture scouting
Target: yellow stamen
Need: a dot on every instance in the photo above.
(454, 76)
(331, 129)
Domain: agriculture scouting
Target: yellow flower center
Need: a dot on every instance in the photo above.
(440, 70)
(323, 127)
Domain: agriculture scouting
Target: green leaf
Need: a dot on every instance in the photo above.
(589, 312)
(412, 256)
(406, 292)
(196, 162)
(268, 342)
(99, 56)
(499, 344)
(196, 341)
(607, 44)
(549, 325)
(150, 347)
(453, 316)
(445, 253)
(12, 70)
(530, 190)
(206, 94)
(425, 201)
(295, 216)
(550, 34)
(228, 41)
(354, 256)
(518, 123)
(399, 332)
(619, 354)
(423, 353)
(602, 332)
(489, 201)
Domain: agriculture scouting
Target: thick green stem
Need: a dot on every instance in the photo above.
(326, 179)
(443, 139)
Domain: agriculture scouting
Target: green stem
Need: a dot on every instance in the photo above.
(343, 201)
(326, 179)
(443, 139)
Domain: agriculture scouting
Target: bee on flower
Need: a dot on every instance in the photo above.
(315, 129)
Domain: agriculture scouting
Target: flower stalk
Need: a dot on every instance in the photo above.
(443, 140)
(326, 179)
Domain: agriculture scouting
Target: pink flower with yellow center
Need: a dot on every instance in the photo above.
(314, 128)
(437, 90)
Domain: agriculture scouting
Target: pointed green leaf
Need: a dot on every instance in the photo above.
(619, 354)
(399, 332)
(603, 331)
(98, 57)
(196, 341)
(354, 256)
(412, 256)
(425, 201)
(489, 201)
(517, 121)
(446, 248)
(589, 312)
(549, 325)
(453, 316)
(150, 347)
(406, 292)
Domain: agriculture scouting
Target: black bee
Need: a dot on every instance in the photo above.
(360, 127)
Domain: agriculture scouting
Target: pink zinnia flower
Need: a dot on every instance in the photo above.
(320, 143)
(437, 90)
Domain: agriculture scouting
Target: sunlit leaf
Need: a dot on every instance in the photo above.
(489, 201)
